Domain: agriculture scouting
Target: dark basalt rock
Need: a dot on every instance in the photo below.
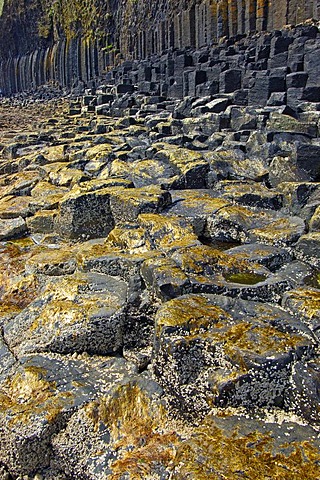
(168, 220)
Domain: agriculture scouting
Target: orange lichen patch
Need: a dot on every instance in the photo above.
(195, 313)
(28, 394)
(138, 429)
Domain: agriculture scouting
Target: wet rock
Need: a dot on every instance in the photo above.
(195, 206)
(12, 228)
(13, 207)
(307, 248)
(224, 443)
(307, 159)
(232, 164)
(267, 255)
(191, 166)
(107, 259)
(52, 262)
(303, 394)
(130, 412)
(164, 278)
(167, 233)
(214, 350)
(7, 360)
(42, 222)
(306, 302)
(39, 398)
(251, 194)
(83, 313)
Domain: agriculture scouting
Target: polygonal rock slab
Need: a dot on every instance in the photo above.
(236, 447)
(303, 395)
(128, 420)
(82, 313)
(127, 433)
(308, 248)
(167, 233)
(11, 228)
(85, 215)
(212, 350)
(128, 204)
(52, 262)
(37, 400)
(212, 271)
(190, 165)
(306, 303)
(195, 206)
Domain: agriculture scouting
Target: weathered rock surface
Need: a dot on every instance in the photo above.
(159, 293)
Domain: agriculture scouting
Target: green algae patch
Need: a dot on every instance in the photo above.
(211, 453)
(259, 339)
(224, 447)
(245, 278)
(306, 300)
(204, 259)
(194, 313)
(138, 429)
(168, 232)
(28, 394)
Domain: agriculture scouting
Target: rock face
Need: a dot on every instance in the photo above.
(159, 247)
(75, 42)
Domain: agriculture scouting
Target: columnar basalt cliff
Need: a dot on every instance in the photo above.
(46, 40)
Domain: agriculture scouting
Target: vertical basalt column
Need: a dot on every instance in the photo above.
(241, 14)
(222, 19)
(262, 15)
(270, 15)
(192, 26)
(251, 14)
(280, 13)
(23, 72)
(178, 30)
(68, 61)
(214, 20)
(17, 74)
(233, 17)
(83, 60)
(47, 64)
(171, 34)
(298, 11)
(41, 61)
(163, 36)
(34, 69)
(54, 63)
(316, 9)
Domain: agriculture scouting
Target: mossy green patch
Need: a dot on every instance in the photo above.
(245, 278)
